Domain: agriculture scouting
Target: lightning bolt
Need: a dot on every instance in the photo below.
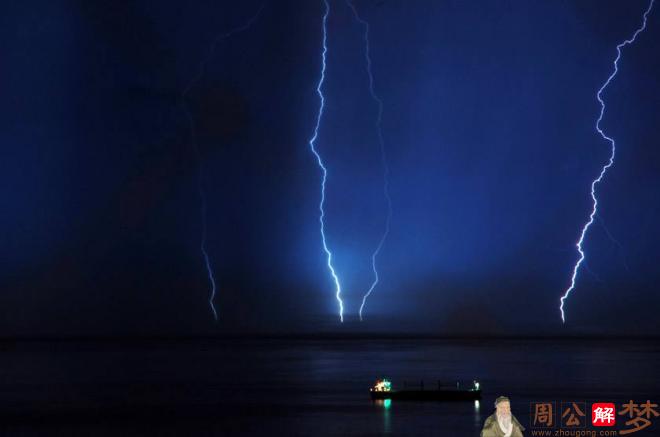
(386, 170)
(610, 162)
(319, 160)
(193, 142)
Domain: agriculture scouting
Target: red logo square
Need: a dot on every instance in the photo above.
(603, 414)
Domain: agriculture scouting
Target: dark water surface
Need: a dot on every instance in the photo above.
(302, 387)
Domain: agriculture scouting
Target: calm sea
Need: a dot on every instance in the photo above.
(303, 387)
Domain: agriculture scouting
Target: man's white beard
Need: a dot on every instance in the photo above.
(504, 420)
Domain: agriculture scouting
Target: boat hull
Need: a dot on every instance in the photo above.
(428, 395)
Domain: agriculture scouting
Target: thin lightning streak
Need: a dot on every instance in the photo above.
(614, 240)
(592, 273)
(193, 141)
(324, 170)
(386, 169)
(609, 164)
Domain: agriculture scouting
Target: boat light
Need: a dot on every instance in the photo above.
(383, 385)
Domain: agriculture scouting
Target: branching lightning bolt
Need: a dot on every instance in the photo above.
(610, 162)
(324, 170)
(386, 170)
(193, 141)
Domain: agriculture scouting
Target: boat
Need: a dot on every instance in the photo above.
(383, 389)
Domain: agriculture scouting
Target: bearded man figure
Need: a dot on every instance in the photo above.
(502, 423)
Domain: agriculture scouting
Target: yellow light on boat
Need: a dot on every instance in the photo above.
(383, 385)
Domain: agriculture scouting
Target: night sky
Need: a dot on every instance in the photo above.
(489, 116)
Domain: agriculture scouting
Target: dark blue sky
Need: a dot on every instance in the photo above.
(489, 113)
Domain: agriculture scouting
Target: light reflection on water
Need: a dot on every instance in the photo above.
(386, 404)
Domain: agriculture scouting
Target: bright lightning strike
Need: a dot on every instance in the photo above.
(193, 142)
(610, 162)
(386, 170)
(324, 170)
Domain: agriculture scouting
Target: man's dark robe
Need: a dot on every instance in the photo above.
(492, 428)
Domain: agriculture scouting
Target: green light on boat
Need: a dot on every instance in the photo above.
(387, 403)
